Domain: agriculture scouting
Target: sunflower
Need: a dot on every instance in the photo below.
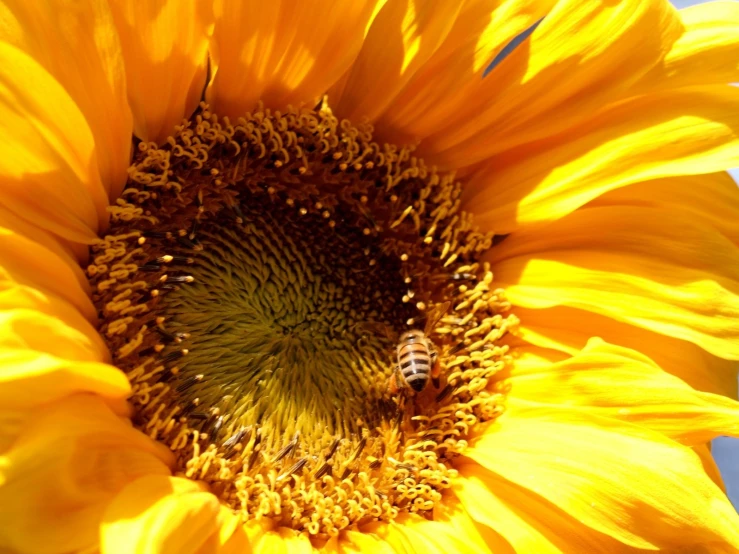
(380, 275)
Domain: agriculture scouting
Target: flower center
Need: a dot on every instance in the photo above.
(257, 285)
(277, 322)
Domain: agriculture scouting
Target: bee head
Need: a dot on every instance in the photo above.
(413, 334)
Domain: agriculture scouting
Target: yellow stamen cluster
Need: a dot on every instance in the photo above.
(253, 287)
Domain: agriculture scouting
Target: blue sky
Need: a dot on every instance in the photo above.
(686, 3)
(725, 451)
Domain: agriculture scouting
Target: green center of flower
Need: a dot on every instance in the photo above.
(255, 285)
(278, 318)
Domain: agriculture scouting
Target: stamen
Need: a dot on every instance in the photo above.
(295, 468)
(286, 450)
(174, 356)
(325, 469)
(189, 382)
(332, 449)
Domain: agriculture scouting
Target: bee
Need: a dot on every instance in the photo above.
(417, 357)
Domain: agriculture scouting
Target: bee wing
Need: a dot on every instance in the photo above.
(434, 315)
(379, 328)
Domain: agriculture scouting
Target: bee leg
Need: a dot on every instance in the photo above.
(392, 384)
(435, 368)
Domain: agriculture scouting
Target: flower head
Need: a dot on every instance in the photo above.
(395, 275)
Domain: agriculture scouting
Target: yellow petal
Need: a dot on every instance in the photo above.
(69, 462)
(683, 132)
(282, 540)
(282, 53)
(451, 514)
(412, 533)
(666, 271)
(403, 36)
(25, 262)
(73, 253)
(617, 382)
(528, 355)
(433, 94)
(165, 47)
(583, 56)
(528, 522)
(158, 514)
(34, 260)
(567, 330)
(707, 52)
(255, 529)
(709, 465)
(29, 329)
(30, 379)
(76, 42)
(48, 169)
(714, 198)
(231, 538)
(39, 310)
(619, 479)
(358, 542)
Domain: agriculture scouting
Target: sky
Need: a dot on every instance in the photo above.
(725, 450)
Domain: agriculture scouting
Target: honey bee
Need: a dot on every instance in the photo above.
(417, 357)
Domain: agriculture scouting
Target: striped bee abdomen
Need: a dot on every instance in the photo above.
(414, 359)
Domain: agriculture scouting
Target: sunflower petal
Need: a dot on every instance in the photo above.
(683, 132)
(709, 465)
(165, 47)
(528, 522)
(25, 262)
(619, 479)
(682, 282)
(433, 95)
(583, 56)
(31, 379)
(282, 540)
(478, 538)
(71, 252)
(567, 330)
(282, 53)
(21, 329)
(29, 257)
(48, 170)
(411, 533)
(158, 513)
(358, 542)
(623, 384)
(67, 321)
(231, 537)
(403, 36)
(70, 460)
(714, 198)
(76, 42)
(706, 53)
(511, 46)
